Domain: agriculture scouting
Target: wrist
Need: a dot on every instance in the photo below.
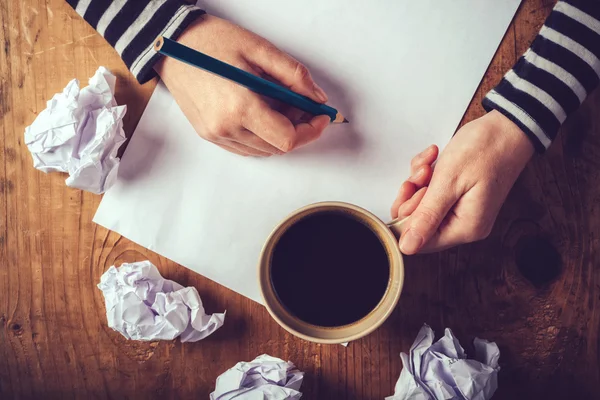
(510, 137)
(165, 64)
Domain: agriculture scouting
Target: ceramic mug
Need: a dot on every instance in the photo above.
(388, 234)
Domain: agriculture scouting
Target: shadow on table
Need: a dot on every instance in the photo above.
(136, 102)
(327, 389)
(523, 288)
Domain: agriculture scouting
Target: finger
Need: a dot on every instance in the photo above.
(455, 231)
(426, 157)
(422, 176)
(429, 214)
(310, 131)
(271, 126)
(451, 233)
(468, 221)
(249, 139)
(242, 148)
(295, 115)
(407, 190)
(409, 206)
(274, 128)
(418, 180)
(286, 70)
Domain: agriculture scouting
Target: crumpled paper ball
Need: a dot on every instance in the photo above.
(80, 132)
(142, 305)
(441, 370)
(264, 378)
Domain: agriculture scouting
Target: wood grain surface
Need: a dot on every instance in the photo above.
(533, 286)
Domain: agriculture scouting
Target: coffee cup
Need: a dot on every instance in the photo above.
(331, 272)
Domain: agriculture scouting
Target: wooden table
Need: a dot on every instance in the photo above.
(533, 286)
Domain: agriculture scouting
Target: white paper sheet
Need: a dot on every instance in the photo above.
(441, 370)
(264, 378)
(403, 72)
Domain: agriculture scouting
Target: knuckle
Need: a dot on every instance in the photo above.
(247, 109)
(416, 160)
(238, 105)
(240, 110)
(266, 48)
(429, 216)
(301, 72)
(216, 133)
(287, 145)
(224, 134)
(479, 232)
(211, 136)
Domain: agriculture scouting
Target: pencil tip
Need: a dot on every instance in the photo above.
(345, 121)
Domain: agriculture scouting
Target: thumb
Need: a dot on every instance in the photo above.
(310, 131)
(428, 216)
(287, 70)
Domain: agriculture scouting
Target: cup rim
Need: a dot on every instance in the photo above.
(378, 315)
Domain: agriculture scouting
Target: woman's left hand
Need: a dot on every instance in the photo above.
(457, 201)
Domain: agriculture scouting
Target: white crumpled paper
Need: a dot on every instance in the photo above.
(142, 305)
(264, 378)
(80, 132)
(441, 370)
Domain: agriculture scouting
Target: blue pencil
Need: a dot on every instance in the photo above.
(255, 83)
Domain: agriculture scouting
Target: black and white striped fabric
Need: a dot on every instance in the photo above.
(131, 26)
(549, 81)
(555, 75)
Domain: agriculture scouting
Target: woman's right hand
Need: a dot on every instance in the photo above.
(229, 115)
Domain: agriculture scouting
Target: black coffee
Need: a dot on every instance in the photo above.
(329, 269)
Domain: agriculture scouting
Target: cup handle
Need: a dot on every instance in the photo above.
(396, 226)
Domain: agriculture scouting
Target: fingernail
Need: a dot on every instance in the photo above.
(411, 242)
(320, 93)
(417, 174)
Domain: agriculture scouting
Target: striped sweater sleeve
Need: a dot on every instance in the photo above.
(131, 26)
(555, 75)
